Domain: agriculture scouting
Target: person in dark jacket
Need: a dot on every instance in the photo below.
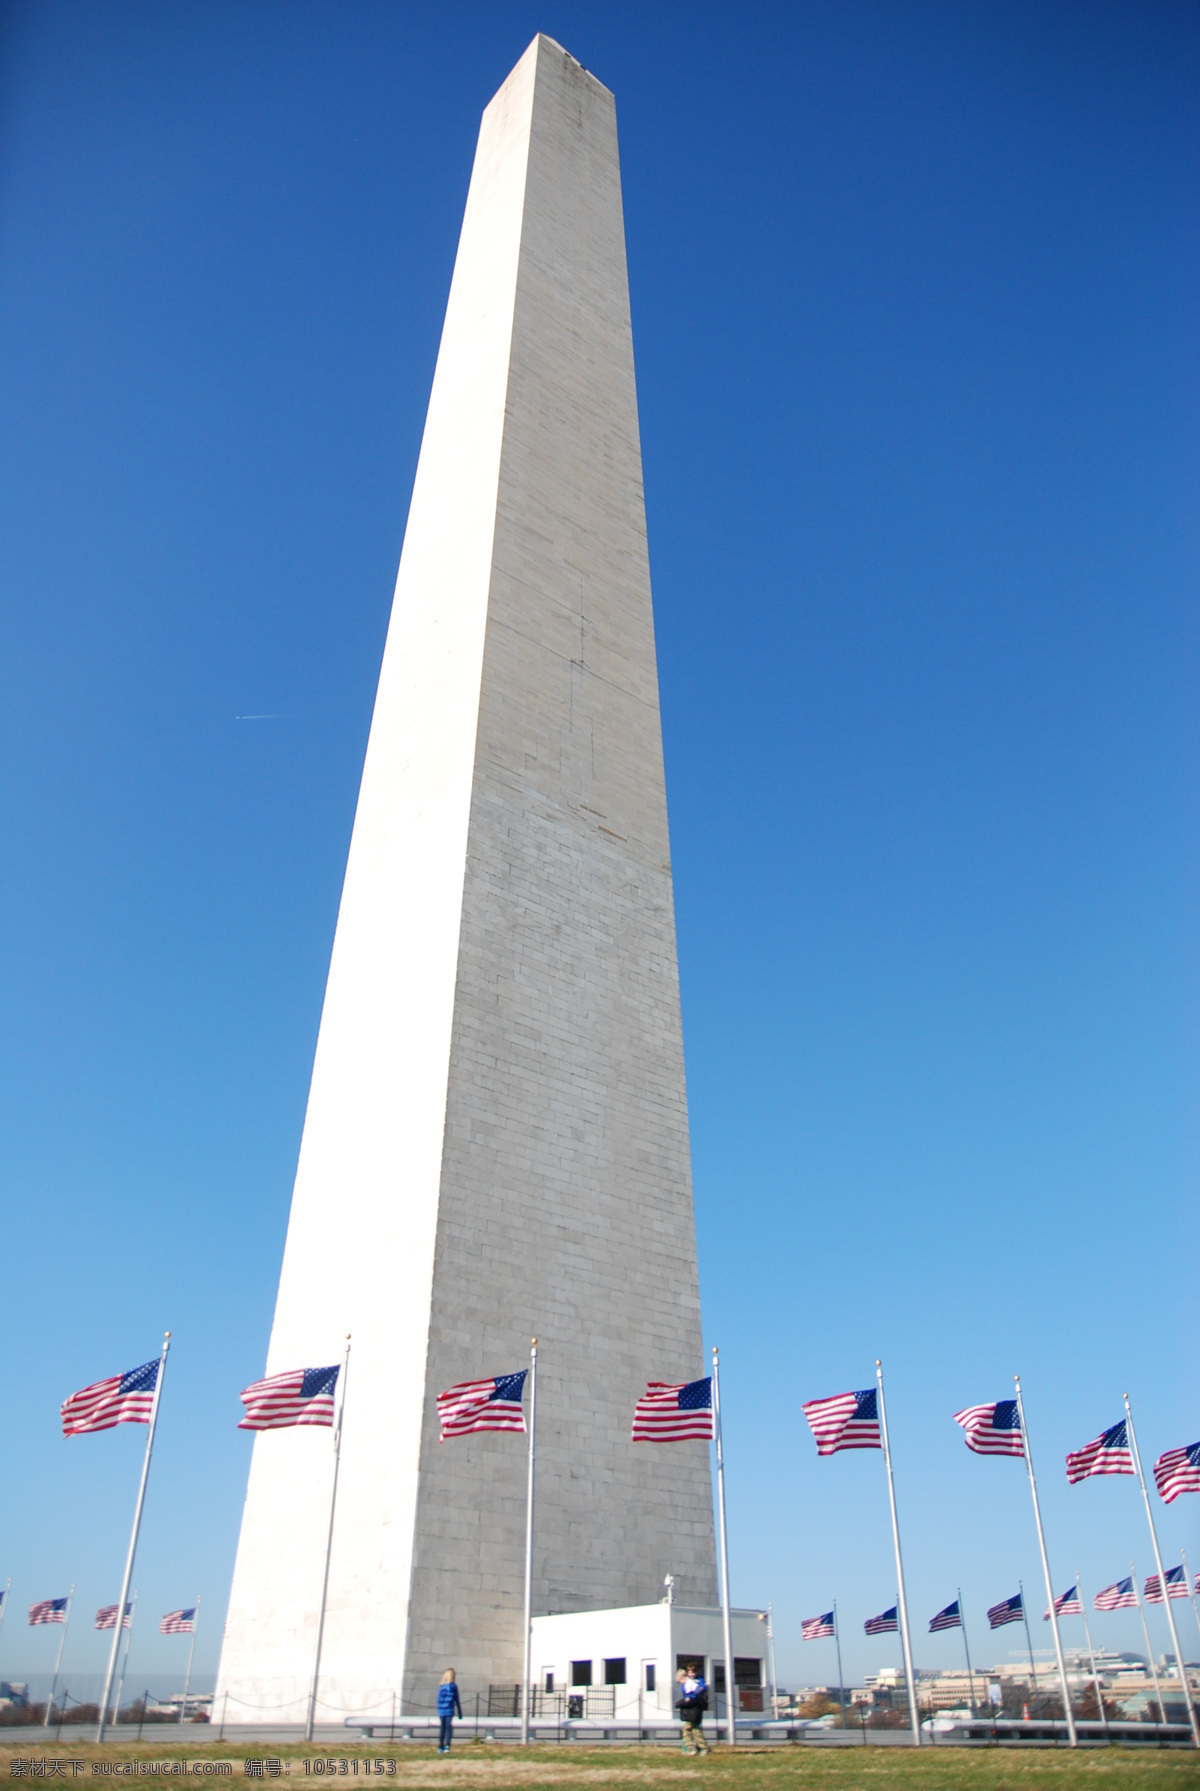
(449, 1706)
(693, 1702)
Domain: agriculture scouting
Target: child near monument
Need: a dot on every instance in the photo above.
(449, 1706)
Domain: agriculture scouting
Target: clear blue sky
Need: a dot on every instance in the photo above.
(914, 295)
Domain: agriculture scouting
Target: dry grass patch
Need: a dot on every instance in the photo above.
(498, 1768)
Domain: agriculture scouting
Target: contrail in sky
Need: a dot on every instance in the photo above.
(280, 717)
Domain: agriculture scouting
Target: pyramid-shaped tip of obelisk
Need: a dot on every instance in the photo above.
(544, 45)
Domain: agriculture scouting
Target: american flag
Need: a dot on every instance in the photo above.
(1068, 1604)
(1009, 1610)
(494, 1404)
(50, 1610)
(846, 1421)
(671, 1414)
(813, 1628)
(884, 1624)
(106, 1617)
(1178, 1471)
(1109, 1454)
(1118, 1597)
(179, 1623)
(301, 1396)
(950, 1618)
(993, 1429)
(1177, 1586)
(121, 1399)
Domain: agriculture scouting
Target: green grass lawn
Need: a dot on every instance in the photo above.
(496, 1768)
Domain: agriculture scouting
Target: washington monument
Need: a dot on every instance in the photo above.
(496, 1140)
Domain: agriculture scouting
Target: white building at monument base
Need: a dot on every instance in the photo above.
(622, 1663)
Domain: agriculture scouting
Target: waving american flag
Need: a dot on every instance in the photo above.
(1177, 1586)
(1178, 1471)
(1120, 1596)
(491, 1404)
(1009, 1610)
(179, 1623)
(674, 1413)
(121, 1399)
(993, 1429)
(1109, 1453)
(1068, 1604)
(106, 1617)
(300, 1396)
(49, 1610)
(845, 1421)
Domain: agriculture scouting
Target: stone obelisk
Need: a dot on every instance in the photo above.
(496, 1141)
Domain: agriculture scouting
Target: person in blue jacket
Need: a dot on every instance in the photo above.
(449, 1706)
(693, 1702)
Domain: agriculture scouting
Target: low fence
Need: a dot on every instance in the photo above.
(579, 1703)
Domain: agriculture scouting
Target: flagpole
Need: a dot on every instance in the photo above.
(1029, 1644)
(123, 1600)
(1087, 1630)
(1137, 1593)
(962, 1624)
(727, 1626)
(1187, 1575)
(771, 1653)
(527, 1661)
(1037, 1514)
(187, 1678)
(837, 1636)
(62, 1642)
(128, 1645)
(1162, 1581)
(4, 1602)
(914, 1715)
(337, 1462)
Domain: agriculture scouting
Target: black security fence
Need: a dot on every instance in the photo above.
(567, 1704)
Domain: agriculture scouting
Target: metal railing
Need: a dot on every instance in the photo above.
(577, 1703)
